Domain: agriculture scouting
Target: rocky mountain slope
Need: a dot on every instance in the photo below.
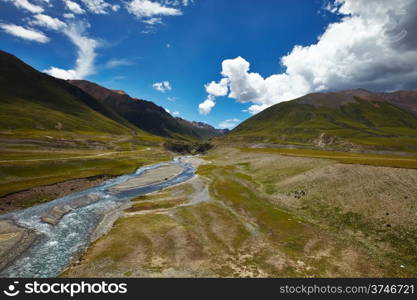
(146, 115)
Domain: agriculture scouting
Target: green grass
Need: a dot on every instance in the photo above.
(19, 174)
(381, 126)
(409, 162)
(282, 225)
(150, 205)
(252, 185)
(374, 235)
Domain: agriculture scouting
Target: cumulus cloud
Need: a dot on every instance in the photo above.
(86, 54)
(25, 4)
(370, 47)
(205, 107)
(214, 90)
(146, 10)
(98, 6)
(229, 123)
(48, 22)
(162, 86)
(74, 7)
(218, 89)
(69, 16)
(24, 33)
(115, 7)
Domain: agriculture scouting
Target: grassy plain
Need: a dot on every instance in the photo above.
(386, 160)
(365, 124)
(267, 215)
(30, 161)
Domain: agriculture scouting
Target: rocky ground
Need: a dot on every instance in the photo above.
(40, 194)
(14, 240)
(266, 215)
(150, 177)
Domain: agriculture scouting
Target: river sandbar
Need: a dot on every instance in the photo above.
(150, 177)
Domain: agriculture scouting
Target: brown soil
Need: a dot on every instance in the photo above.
(150, 177)
(40, 194)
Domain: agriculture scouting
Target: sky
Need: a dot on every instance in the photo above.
(217, 61)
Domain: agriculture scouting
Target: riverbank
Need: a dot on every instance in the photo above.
(42, 194)
(69, 224)
(14, 240)
(256, 214)
(32, 177)
(150, 177)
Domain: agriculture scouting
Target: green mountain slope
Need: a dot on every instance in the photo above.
(346, 119)
(146, 115)
(31, 100)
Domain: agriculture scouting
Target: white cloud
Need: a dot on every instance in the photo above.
(214, 90)
(229, 123)
(86, 54)
(115, 7)
(177, 2)
(61, 73)
(118, 62)
(48, 22)
(162, 86)
(25, 4)
(97, 6)
(152, 21)
(25, 33)
(187, 2)
(74, 7)
(69, 16)
(218, 89)
(148, 9)
(176, 113)
(370, 47)
(205, 107)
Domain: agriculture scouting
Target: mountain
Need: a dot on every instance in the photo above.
(346, 119)
(204, 130)
(146, 115)
(31, 100)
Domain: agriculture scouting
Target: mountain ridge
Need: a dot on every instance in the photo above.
(146, 115)
(345, 119)
(37, 100)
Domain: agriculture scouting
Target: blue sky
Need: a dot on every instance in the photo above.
(268, 51)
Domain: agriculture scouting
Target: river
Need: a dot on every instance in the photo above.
(58, 245)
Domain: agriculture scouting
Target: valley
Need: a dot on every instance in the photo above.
(96, 183)
(262, 214)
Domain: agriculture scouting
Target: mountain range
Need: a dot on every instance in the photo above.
(35, 103)
(346, 119)
(147, 115)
